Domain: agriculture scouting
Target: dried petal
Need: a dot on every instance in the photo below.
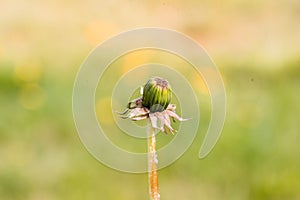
(167, 123)
(137, 112)
(157, 120)
(139, 118)
(174, 115)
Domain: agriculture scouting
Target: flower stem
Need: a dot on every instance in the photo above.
(152, 163)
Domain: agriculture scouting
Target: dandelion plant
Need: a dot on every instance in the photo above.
(153, 105)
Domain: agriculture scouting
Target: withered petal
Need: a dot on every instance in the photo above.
(136, 112)
(173, 114)
(157, 120)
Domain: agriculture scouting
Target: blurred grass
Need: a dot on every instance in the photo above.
(256, 46)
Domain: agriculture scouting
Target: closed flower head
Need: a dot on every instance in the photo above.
(157, 94)
(154, 104)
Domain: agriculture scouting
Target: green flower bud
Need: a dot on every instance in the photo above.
(157, 94)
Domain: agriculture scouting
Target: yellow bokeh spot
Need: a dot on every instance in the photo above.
(199, 84)
(1, 51)
(29, 71)
(97, 31)
(32, 96)
(133, 60)
(104, 111)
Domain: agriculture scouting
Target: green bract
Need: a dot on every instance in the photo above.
(157, 94)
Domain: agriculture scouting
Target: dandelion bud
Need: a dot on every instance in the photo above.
(157, 94)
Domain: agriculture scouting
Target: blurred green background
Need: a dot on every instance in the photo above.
(255, 44)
